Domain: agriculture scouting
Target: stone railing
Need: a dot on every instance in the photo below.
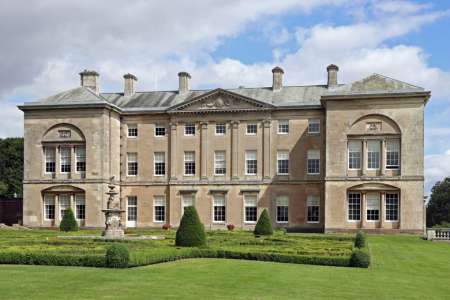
(438, 234)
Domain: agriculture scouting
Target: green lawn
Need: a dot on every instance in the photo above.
(403, 267)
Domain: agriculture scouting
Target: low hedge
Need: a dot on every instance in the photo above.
(30, 258)
(360, 258)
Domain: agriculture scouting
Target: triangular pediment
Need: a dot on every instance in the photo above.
(220, 100)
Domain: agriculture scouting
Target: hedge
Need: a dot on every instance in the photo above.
(117, 256)
(264, 225)
(30, 258)
(68, 223)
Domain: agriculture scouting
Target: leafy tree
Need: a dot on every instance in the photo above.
(438, 209)
(11, 166)
(68, 223)
(264, 225)
(191, 232)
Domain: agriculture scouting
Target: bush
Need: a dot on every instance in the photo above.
(68, 222)
(360, 258)
(29, 258)
(191, 232)
(230, 227)
(264, 225)
(360, 240)
(117, 256)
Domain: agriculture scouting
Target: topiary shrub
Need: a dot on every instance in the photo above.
(360, 240)
(191, 232)
(264, 225)
(68, 223)
(360, 259)
(117, 256)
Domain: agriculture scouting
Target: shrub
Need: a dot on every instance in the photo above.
(230, 227)
(360, 258)
(117, 256)
(360, 240)
(191, 232)
(166, 226)
(68, 223)
(264, 225)
(30, 258)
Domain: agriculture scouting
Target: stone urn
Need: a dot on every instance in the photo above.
(113, 214)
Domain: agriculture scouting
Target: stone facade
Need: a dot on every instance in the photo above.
(334, 157)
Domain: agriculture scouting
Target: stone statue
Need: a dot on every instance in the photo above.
(113, 213)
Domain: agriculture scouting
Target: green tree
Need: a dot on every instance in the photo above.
(191, 232)
(68, 223)
(11, 166)
(264, 225)
(438, 209)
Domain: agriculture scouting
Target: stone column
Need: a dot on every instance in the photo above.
(363, 210)
(203, 151)
(57, 210)
(383, 157)
(266, 149)
(382, 211)
(173, 151)
(234, 150)
(363, 157)
(73, 166)
(57, 162)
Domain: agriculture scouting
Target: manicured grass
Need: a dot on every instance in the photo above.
(403, 267)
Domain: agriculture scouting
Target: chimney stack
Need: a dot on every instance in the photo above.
(277, 78)
(183, 79)
(129, 85)
(90, 80)
(332, 75)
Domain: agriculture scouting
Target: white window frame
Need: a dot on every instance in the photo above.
(157, 200)
(246, 204)
(65, 206)
(80, 200)
(283, 127)
(189, 161)
(282, 201)
(369, 142)
(373, 200)
(247, 160)
(311, 155)
(131, 223)
(184, 197)
(220, 163)
(49, 200)
(157, 159)
(348, 207)
(214, 201)
(385, 207)
(159, 126)
(281, 156)
(250, 125)
(65, 158)
(48, 150)
(313, 122)
(191, 125)
(224, 129)
(132, 127)
(395, 144)
(132, 161)
(350, 144)
(312, 201)
(80, 158)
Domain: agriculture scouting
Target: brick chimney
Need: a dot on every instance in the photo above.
(183, 80)
(129, 85)
(332, 75)
(277, 78)
(90, 80)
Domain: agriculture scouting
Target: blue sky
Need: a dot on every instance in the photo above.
(227, 44)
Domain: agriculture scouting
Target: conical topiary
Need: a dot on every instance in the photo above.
(191, 232)
(68, 222)
(264, 225)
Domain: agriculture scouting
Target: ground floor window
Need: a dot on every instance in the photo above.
(250, 207)
(132, 209)
(313, 206)
(80, 207)
(354, 206)
(392, 206)
(49, 207)
(159, 207)
(282, 203)
(186, 201)
(64, 204)
(219, 208)
(373, 206)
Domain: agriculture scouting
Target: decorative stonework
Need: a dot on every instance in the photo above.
(373, 126)
(113, 223)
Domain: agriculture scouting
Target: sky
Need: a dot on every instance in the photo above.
(46, 43)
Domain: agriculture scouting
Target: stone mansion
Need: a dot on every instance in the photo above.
(331, 157)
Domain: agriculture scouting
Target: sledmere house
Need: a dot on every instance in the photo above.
(331, 157)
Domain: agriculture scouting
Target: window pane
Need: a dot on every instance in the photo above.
(160, 130)
(354, 206)
(80, 207)
(65, 159)
(283, 162)
(189, 163)
(80, 158)
(220, 128)
(132, 130)
(49, 206)
(132, 164)
(392, 154)
(282, 203)
(251, 164)
(189, 129)
(250, 206)
(160, 163)
(354, 154)
(283, 126)
(373, 154)
(219, 208)
(313, 163)
(132, 208)
(392, 206)
(50, 159)
(252, 129)
(159, 205)
(219, 163)
(314, 126)
(64, 204)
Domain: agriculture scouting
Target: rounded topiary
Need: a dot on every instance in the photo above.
(191, 232)
(360, 240)
(264, 225)
(68, 223)
(360, 259)
(117, 256)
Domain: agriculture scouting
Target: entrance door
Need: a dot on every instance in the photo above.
(131, 211)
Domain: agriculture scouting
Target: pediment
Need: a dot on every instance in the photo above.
(220, 100)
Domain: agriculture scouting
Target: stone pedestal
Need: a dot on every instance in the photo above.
(113, 213)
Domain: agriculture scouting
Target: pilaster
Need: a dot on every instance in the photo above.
(203, 150)
(173, 151)
(234, 149)
(363, 209)
(364, 158)
(266, 148)
(383, 157)
(382, 211)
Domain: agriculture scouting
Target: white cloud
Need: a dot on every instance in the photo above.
(437, 167)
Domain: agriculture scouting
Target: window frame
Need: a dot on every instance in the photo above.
(386, 207)
(279, 153)
(397, 166)
(77, 157)
(251, 125)
(222, 125)
(182, 202)
(190, 161)
(51, 199)
(360, 154)
(135, 206)
(311, 201)
(192, 127)
(216, 161)
(132, 162)
(371, 209)
(372, 152)
(279, 199)
(308, 159)
(132, 127)
(46, 149)
(214, 208)
(77, 205)
(69, 170)
(348, 207)
(247, 152)
(283, 124)
(62, 211)
(314, 121)
(155, 161)
(245, 208)
(155, 199)
(159, 126)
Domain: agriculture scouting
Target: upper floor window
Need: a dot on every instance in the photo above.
(283, 126)
(159, 207)
(373, 155)
(132, 164)
(354, 155)
(189, 163)
(313, 205)
(251, 163)
(80, 158)
(132, 130)
(220, 129)
(314, 126)
(282, 162)
(354, 206)
(160, 130)
(252, 129)
(189, 129)
(392, 154)
(65, 153)
(160, 163)
(313, 162)
(50, 160)
(219, 163)
(282, 204)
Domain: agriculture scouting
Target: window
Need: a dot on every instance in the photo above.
(50, 162)
(392, 154)
(49, 207)
(132, 130)
(373, 155)
(354, 206)
(314, 126)
(189, 129)
(372, 206)
(189, 163)
(313, 162)
(250, 207)
(159, 208)
(219, 163)
(313, 205)
(392, 206)
(251, 164)
(283, 162)
(160, 130)
(283, 127)
(80, 158)
(220, 129)
(132, 208)
(186, 201)
(252, 129)
(80, 207)
(65, 159)
(282, 203)
(160, 163)
(219, 208)
(64, 204)
(354, 155)
(132, 164)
